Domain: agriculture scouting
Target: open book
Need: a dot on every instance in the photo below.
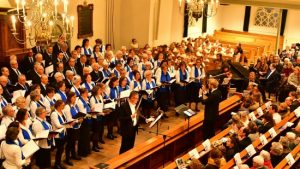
(29, 149)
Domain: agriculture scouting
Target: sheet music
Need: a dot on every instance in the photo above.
(111, 105)
(17, 94)
(29, 149)
(290, 159)
(49, 69)
(150, 91)
(125, 94)
(2, 131)
(250, 150)
(206, 144)
(237, 158)
(272, 132)
(194, 153)
(259, 111)
(297, 112)
(42, 135)
(172, 81)
(263, 140)
(252, 116)
(156, 120)
(98, 107)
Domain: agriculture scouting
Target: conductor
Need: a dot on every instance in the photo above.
(128, 122)
(211, 111)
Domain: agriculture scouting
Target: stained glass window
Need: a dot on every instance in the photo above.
(266, 17)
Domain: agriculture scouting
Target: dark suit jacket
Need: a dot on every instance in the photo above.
(43, 90)
(32, 75)
(80, 68)
(96, 77)
(56, 49)
(69, 68)
(295, 104)
(126, 124)
(68, 84)
(272, 81)
(20, 87)
(26, 65)
(48, 59)
(35, 50)
(13, 77)
(211, 110)
(6, 94)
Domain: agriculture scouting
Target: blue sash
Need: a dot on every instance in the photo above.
(106, 73)
(61, 121)
(76, 91)
(148, 85)
(25, 134)
(74, 111)
(113, 93)
(46, 127)
(164, 78)
(87, 52)
(3, 103)
(183, 77)
(87, 108)
(20, 145)
(116, 73)
(123, 89)
(87, 86)
(62, 96)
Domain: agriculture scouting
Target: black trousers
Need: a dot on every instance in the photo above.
(95, 131)
(72, 137)
(163, 100)
(128, 140)
(43, 158)
(84, 146)
(208, 129)
(59, 143)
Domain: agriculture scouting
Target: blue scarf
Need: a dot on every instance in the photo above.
(52, 102)
(26, 135)
(61, 121)
(74, 111)
(87, 86)
(106, 73)
(20, 145)
(130, 75)
(87, 52)
(182, 76)
(116, 73)
(135, 84)
(113, 93)
(62, 95)
(148, 85)
(46, 127)
(123, 89)
(87, 108)
(76, 91)
(3, 103)
(165, 78)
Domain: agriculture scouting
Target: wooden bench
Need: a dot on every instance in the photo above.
(151, 153)
(213, 139)
(284, 163)
(257, 143)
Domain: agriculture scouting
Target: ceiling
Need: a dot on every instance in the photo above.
(284, 4)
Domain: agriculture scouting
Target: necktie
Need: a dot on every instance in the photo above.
(18, 72)
(30, 59)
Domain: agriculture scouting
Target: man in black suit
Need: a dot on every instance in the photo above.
(69, 78)
(66, 53)
(36, 73)
(128, 122)
(14, 72)
(96, 75)
(81, 64)
(6, 93)
(44, 84)
(28, 62)
(272, 79)
(37, 49)
(22, 85)
(59, 59)
(48, 57)
(211, 111)
(71, 66)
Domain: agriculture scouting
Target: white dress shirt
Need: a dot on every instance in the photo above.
(21, 136)
(38, 127)
(6, 120)
(55, 122)
(13, 155)
(132, 108)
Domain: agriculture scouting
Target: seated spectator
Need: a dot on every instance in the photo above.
(267, 159)
(215, 159)
(244, 139)
(231, 147)
(253, 131)
(268, 123)
(258, 163)
(276, 152)
(195, 164)
(244, 118)
(283, 110)
(274, 111)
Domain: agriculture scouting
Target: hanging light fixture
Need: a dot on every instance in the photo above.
(196, 8)
(39, 18)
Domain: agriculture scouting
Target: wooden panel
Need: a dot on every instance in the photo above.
(8, 44)
(178, 142)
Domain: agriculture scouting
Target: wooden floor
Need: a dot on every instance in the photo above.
(112, 147)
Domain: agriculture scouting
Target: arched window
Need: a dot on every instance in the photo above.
(266, 17)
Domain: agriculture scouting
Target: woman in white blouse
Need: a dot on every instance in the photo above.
(25, 134)
(11, 149)
(76, 85)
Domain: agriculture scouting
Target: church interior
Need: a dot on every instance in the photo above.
(148, 84)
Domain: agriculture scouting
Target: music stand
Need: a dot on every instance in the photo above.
(186, 112)
(156, 122)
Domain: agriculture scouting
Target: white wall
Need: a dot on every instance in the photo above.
(232, 17)
(292, 31)
(99, 27)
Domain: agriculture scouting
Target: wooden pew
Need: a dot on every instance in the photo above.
(150, 154)
(213, 139)
(268, 41)
(256, 144)
(284, 163)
